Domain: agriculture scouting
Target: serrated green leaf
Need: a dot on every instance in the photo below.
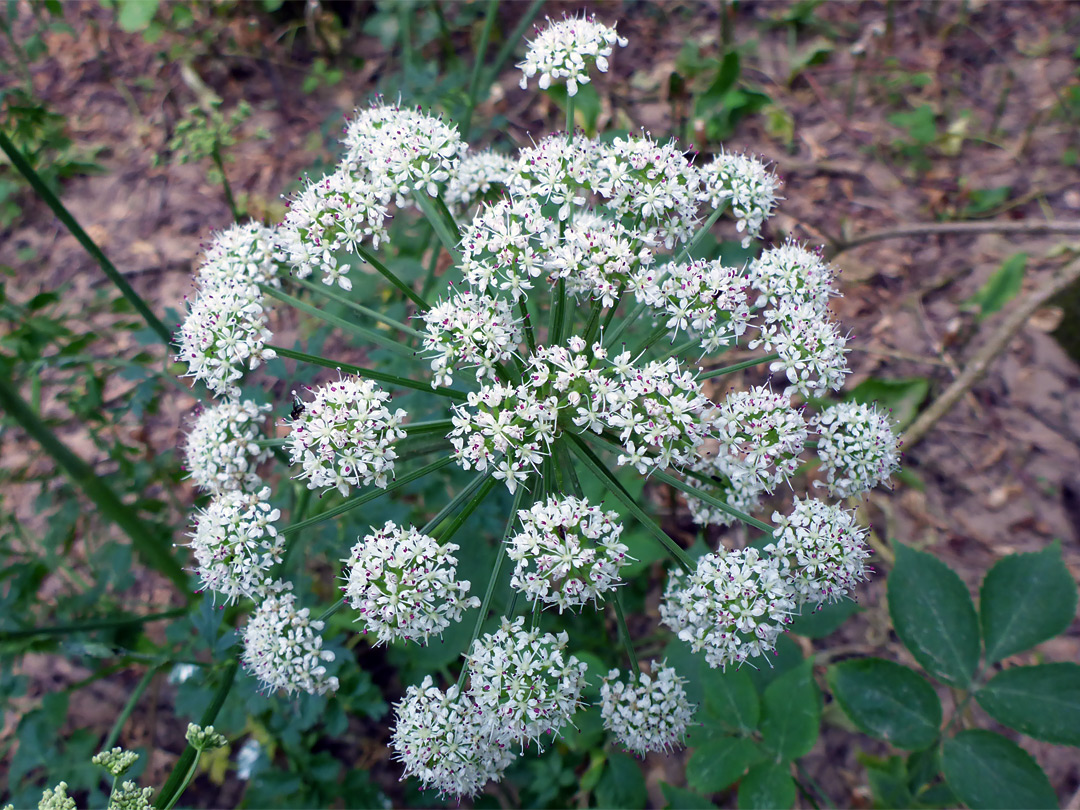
(902, 397)
(933, 615)
(1025, 599)
(767, 785)
(988, 772)
(791, 713)
(682, 799)
(731, 699)
(1041, 701)
(622, 784)
(887, 701)
(718, 763)
(1003, 286)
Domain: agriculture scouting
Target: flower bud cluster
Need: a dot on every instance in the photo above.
(116, 761)
(857, 448)
(558, 171)
(221, 450)
(761, 430)
(403, 584)
(567, 552)
(204, 738)
(129, 796)
(444, 740)
(524, 683)
(598, 258)
(344, 436)
(504, 247)
(471, 330)
(283, 645)
(564, 51)
(649, 713)
(235, 543)
(744, 182)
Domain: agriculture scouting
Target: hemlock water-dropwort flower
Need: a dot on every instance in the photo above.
(570, 341)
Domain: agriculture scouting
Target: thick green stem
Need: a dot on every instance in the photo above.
(369, 373)
(657, 333)
(526, 323)
(615, 334)
(694, 492)
(145, 540)
(329, 292)
(386, 273)
(455, 502)
(88, 244)
(90, 625)
(558, 313)
(624, 632)
(704, 229)
(460, 518)
(708, 375)
(215, 155)
(437, 219)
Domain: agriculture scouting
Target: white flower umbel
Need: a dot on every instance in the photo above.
(221, 451)
(480, 177)
(344, 436)
(567, 552)
(224, 333)
(761, 430)
(283, 645)
(242, 254)
(236, 544)
(824, 549)
(650, 183)
(565, 50)
(504, 247)
(506, 427)
(857, 448)
(443, 739)
(332, 215)
(401, 151)
(558, 171)
(731, 481)
(792, 273)
(649, 715)
(403, 584)
(598, 258)
(470, 330)
(703, 298)
(744, 182)
(813, 352)
(524, 682)
(733, 606)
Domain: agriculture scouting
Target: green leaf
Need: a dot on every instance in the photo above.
(920, 123)
(731, 699)
(135, 15)
(718, 763)
(682, 799)
(933, 615)
(987, 771)
(1041, 701)
(767, 785)
(888, 780)
(1003, 286)
(622, 784)
(887, 701)
(727, 74)
(824, 621)
(1026, 599)
(901, 397)
(782, 660)
(791, 714)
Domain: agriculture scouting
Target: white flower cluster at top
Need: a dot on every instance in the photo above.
(567, 552)
(344, 436)
(554, 243)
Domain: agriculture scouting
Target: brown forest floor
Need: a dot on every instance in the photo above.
(1001, 470)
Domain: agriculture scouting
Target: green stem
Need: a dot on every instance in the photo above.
(392, 278)
(624, 632)
(88, 244)
(90, 625)
(341, 323)
(329, 292)
(635, 313)
(369, 373)
(129, 707)
(486, 603)
(464, 514)
(268, 443)
(558, 313)
(146, 541)
(180, 776)
(367, 497)
(478, 64)
(512, 41)
(681, 485)
(611, 483)
(455, 502)
(526, 322)
(334, 608)
(215, 155)
(684, 254)
(708, 375)
(429, 208)
(682, 347)
(657, 333)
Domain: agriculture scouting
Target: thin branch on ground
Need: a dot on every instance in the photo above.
(1017, 228)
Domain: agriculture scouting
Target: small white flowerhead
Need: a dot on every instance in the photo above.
(344, 436)
(504, 247)
(470, 330)
(480, 178)
(567, 552)
(731, 481)
(221, 450)
(857, 448)
(760, 430)
(236, 544)
(524, 683)
(565, 50)
(744, 182)
(649, 713)
(823, 549)
(283, 645)
(403, 584)
(444, 740)
(242, 254)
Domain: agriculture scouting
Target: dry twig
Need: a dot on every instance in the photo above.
(1015, 227)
